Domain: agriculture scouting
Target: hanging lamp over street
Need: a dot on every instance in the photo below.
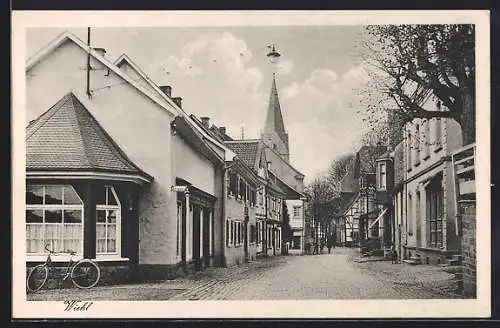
(273, 55)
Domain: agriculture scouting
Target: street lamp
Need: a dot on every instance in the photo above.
(273, 55)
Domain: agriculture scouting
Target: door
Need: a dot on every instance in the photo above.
(206, 236)
(196, 234)
(245, 238)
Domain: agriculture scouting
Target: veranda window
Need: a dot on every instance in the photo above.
(108, 221)
(54, 216)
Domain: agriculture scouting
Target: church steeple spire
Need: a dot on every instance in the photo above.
(274, 120)
(274, 133)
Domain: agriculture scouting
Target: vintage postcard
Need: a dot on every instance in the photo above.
(257, 164)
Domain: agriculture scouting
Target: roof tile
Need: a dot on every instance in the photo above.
(68, 137)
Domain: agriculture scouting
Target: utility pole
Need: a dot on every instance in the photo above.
(88, 63)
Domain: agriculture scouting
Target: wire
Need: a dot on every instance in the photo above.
(113, 85)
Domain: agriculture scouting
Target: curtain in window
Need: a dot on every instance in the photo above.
(54, 217)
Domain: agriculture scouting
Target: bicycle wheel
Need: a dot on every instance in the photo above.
(85, 274)
(37, 277)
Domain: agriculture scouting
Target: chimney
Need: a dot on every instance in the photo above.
(100, 51)
(178, 101)
(166, 89)
(222, 130)
(205, 121)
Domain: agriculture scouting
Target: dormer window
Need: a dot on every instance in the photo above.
(382, 176)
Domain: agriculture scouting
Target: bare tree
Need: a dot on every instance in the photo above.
(338, 169)
(409, 63)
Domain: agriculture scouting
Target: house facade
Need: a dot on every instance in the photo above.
(431, 232)
(296, 213)
(158, 206)
(360, 211)
(269, 197)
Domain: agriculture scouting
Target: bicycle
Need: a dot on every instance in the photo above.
(84, 273)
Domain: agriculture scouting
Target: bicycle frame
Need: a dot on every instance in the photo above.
(67, 270)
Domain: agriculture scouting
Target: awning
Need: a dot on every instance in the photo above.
(378, 218)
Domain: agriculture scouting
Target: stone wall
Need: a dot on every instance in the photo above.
(468, 215)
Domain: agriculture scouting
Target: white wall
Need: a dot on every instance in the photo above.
(138, 125)
(191, 166)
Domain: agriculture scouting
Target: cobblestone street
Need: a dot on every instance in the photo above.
(326, 276)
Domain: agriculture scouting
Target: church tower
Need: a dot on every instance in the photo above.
(274, 134)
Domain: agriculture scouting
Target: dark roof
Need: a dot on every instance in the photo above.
(385, 155)
(349, 183)
(366, 159)
(222, 136)
(399, 164)
(347, 199)
(68, 137)
(246, 150)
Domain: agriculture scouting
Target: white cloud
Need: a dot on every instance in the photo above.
(214, 78)
(285, 67)
(321, 121)
(215, 65)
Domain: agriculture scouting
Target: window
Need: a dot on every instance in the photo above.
(382, 180)
(409, 150)
(426, 138)
(261, 198)
(242, 190)
(417, 143)
(297, 211)
(238, 224)
(179, 228)
(54, 216)
(233, 181)
(108, 221)
(435, 212)
(437, 133)
(253, 233)
(410, 215)
(228, 232)
(233, 233)
(437, 129)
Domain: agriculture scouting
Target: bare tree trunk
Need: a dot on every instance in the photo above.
(467, 119)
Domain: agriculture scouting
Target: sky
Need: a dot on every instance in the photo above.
(223, 73)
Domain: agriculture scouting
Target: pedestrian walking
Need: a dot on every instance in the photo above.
(329, 244)
(394, 255)
(316, 249)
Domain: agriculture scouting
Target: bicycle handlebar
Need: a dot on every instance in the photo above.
(54, 252)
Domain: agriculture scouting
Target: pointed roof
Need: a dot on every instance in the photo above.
(68, 138)
(274, 119)
(247, 150)
(158, 98)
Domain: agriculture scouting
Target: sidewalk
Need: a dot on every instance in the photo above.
(424, 277)
(193, 287)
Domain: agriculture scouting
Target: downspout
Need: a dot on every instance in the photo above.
(264, 248)
(223, 214)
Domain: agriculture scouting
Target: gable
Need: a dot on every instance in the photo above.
(130, 71)
(77, 62)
